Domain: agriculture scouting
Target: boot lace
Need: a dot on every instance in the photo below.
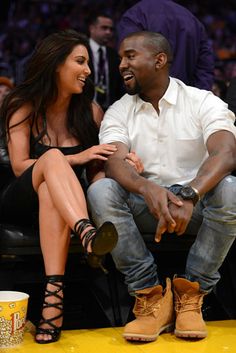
(144, 307)
(186, 303)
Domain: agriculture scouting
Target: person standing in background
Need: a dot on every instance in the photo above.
(193, 58)
(104, 61)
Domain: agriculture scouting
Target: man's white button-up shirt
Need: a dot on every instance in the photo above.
(171, 145)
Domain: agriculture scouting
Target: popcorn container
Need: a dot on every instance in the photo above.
(13, 311)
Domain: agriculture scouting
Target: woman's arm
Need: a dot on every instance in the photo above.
(98, 113)
(95, 169)
(19, 141)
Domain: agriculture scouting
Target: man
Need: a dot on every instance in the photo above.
(193, 59)
(186, 140)
(104, 61)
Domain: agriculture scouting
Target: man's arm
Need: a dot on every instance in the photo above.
(221, 161)
(156, 197)
(221, 147)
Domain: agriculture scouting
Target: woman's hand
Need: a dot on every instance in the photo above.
(99, 152)
(135, 162)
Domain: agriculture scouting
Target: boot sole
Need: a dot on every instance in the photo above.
(105, 240)
(190, 334)
(148, 338)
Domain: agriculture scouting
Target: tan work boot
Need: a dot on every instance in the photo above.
(154, 311)
(188, 302)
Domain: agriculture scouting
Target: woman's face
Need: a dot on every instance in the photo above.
(73, 73)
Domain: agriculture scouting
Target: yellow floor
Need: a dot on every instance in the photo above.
(221, 339)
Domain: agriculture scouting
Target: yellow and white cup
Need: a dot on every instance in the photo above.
(13, 311)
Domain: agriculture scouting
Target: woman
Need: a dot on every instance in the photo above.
(50, 126)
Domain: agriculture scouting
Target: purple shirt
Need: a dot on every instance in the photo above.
(193, 54)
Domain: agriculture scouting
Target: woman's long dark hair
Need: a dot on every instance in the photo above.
(40, 88)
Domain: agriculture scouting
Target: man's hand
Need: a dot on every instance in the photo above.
(158, 198)
(181, 216)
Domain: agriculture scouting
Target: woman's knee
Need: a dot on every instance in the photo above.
(50, 163)
(52, 156)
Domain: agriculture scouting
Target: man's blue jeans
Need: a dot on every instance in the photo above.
(213, 220)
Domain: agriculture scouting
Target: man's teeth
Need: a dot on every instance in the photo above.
(128, 77)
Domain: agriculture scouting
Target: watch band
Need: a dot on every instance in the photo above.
(197, 192)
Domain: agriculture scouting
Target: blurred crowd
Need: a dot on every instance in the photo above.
(219, 19)
(23, 23)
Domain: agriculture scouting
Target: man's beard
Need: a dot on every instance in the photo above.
(134, 90)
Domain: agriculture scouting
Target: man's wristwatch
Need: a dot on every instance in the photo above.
(189, 193)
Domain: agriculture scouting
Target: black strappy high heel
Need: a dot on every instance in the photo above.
(102, 240)
(54, 331)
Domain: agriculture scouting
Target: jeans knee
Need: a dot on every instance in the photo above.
(220, 203)
(100, 189)
(225, 192)
(104, 195)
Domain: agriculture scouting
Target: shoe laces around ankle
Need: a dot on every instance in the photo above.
(188, 303)
(144, 307)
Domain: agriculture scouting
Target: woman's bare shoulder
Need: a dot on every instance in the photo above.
(21, 114)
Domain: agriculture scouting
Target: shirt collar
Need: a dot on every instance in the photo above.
(139, 103)
(170, 95)
(95, 46)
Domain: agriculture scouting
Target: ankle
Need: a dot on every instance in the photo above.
(86, 231)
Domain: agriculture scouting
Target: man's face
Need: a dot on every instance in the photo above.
(102, 31)
(137, 66)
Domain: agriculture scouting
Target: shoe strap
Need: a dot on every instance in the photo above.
(80, 226)
(53, 332)
(53, 280)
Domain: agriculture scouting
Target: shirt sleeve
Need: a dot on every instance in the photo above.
(114, 125)
(215, 116)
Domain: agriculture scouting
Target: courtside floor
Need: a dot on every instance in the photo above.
(221, 339)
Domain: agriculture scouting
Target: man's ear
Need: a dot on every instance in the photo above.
(161, 60)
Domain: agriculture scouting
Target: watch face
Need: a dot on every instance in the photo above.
(188, 193)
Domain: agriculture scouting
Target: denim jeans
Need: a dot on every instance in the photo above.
(213, 221)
